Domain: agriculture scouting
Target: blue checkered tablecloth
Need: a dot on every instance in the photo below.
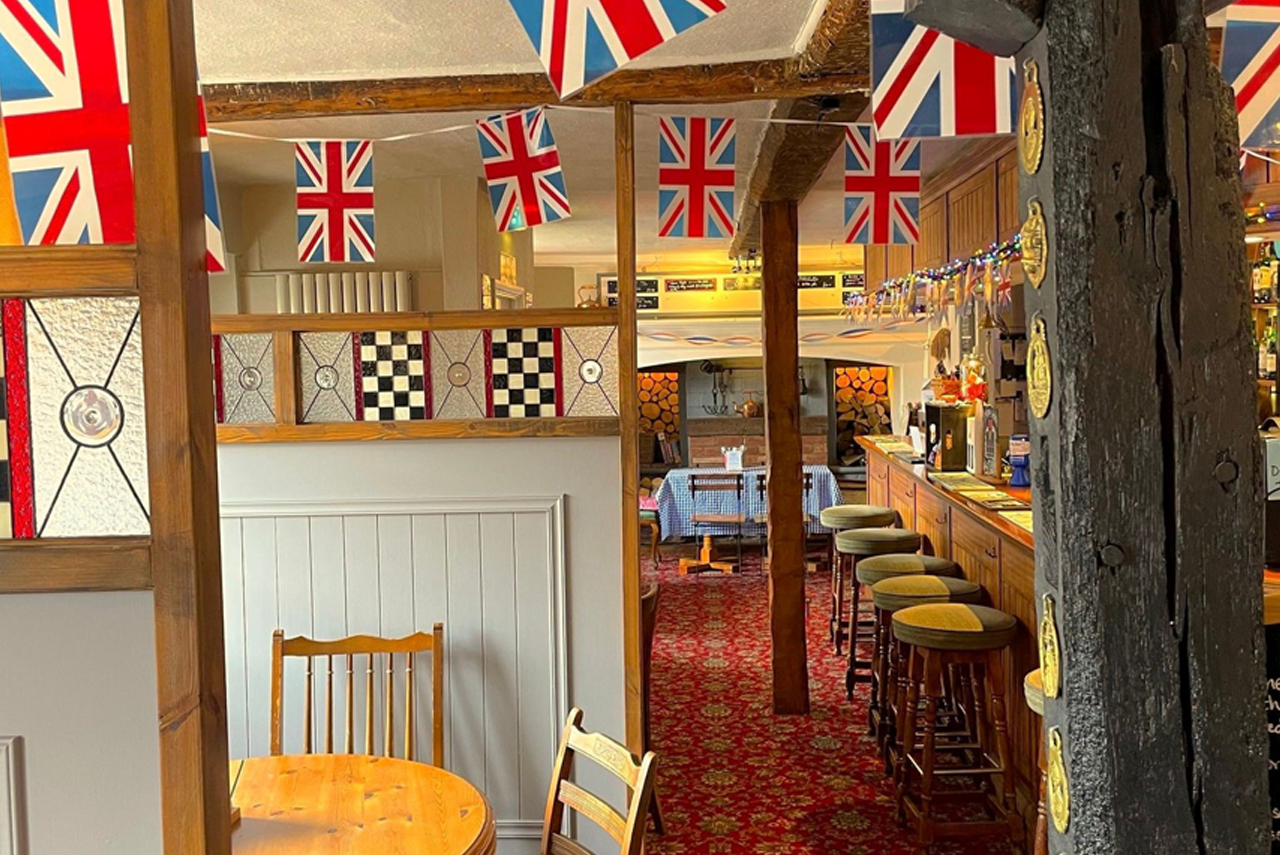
(676, 503)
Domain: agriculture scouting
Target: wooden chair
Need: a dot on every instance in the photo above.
(628, 829)
(349, 651)
(714, 483)
(812, 558)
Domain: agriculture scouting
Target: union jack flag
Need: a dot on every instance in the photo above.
(1250, 61)
(881, 188)
(216, 248)
(335, 200)
(696, 175)
(925, 84)
(64, 94)
(581, 41)
(522, 166)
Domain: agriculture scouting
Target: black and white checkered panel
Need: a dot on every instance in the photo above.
(524, 373)
(392, 376)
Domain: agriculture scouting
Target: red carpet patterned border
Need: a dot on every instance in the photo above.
(732, 776)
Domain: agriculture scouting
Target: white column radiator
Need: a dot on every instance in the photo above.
(321, 293)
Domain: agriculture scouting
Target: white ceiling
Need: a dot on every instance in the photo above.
(274, 40)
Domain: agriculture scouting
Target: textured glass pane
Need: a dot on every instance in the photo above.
(326, 365)
(246, 378)
(459, 387)
(74, 418)
(590, 371)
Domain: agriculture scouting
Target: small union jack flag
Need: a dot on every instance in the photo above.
(581, 41)
(925, 84)
(881, 188)
(522, 166)
(696, 176)
(216, 248)
(335, 200)
(64, 94)
(1250, 62)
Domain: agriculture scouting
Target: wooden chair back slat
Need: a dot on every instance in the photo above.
(628, 829)
(370, 648)
(594, 809)
(762, 485)
(715, 483)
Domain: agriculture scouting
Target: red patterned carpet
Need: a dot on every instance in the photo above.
(735, 778)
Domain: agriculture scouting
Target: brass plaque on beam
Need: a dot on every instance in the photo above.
(1059, 791)
(1039, 369)
(1050, 649)
(1035, 244)
(1031, 120)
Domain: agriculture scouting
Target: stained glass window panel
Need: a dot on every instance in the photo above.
(246, 378)
(75, 425)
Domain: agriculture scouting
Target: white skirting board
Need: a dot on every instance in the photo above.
(491, 569)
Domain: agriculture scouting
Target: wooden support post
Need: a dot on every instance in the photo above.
(780, 323)
(1146, 464)
(629, 416)
(181, 454)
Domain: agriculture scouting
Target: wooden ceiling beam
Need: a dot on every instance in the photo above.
(797, 77)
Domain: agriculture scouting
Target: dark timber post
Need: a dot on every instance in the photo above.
(781, 336)
(1146, 465)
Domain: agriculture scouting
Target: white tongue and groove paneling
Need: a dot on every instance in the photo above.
(491, 569)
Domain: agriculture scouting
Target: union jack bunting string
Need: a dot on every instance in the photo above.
(925, 84)
(881, 187)
(522, 166)
(581, 41)
(1250, 62)
(752, 341)
(335, 200)
(696, 176)
(64, 95)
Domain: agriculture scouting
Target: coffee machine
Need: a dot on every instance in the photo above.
(946, 435)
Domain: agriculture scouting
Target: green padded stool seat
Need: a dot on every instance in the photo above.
(877, 568)
(842, 517)
(876, 541)
(955, 626)
(903, 592)
(648, 515)
(1033, 688)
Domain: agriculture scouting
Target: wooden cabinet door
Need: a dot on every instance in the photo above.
(877, 480)
(1018, 598)
(902, 496)
(976, 548)
(933, 521)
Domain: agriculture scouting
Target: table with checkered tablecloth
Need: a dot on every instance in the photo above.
(676, 504)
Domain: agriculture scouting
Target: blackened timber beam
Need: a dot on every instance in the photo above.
(841, 43)
(1001, 27)
(792, 158)
(781, 350)
(693, 84)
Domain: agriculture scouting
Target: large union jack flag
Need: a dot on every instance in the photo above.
(522, 166)
(925, 84)
(335, 200)
(1250, 62)
(881, 188)
(64, 95)
(581, 41)
(696, 175)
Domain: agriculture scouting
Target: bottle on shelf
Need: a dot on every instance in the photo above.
(1271, 353)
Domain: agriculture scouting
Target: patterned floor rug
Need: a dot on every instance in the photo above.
(734, 777)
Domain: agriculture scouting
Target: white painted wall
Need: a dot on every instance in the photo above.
(78, 685)
(333, 538)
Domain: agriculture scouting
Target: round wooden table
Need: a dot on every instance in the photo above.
(356, 805)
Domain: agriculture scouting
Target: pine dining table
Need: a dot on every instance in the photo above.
(325, 804)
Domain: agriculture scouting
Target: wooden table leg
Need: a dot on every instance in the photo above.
(706, 560)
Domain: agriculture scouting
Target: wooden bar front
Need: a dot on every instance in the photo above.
(991, 551)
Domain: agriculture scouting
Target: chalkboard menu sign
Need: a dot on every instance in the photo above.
(611, 286)
(854, 282)
(673, 285)
(822, 280)
(1273, 731)
(646, 286)
(967, 340)
(646, 301)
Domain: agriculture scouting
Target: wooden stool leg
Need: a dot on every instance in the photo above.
(877, 675)
(891, 711)
(837, 597)
(1042, 815)
(908, 731)
(995, 681)
(855, 610)
(932, 698)
(900, 711)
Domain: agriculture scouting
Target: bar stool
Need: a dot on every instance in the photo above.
(852, 547)
(838, 518)
(890, 594)
(963, 637)
(1033, 689)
